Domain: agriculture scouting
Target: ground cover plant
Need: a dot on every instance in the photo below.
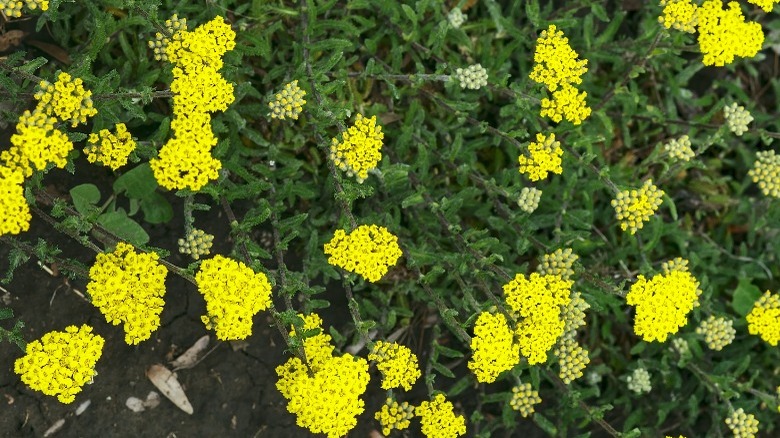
(462, 218)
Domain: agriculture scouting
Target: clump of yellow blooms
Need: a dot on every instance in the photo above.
(724, 34)
(196, 243)
(524, 398)
(472, 77)
(438, 419)
(369, 250)
(327, 400)
(572, 359)
(635, 207)
(680, 15)
(394, 416)
(109, 149)
(680, 148)
(234, 294)
(559, 263)
(639, 381)
(60, 363)
(397, 364)
(529, 199)
(288, 103)
(36, 144)
(544, 156)
(766, 5)
(66, 99)
(16, 213)
(493, 347)
(13, 8)
(160, 43)
(764, 318)
(742, 425)
(128, 288)
(557, 67)
(663, 303)
(538, 300)
(737, 118)
(766, 173)
(717, 332)
(574, 314)
(359, 149)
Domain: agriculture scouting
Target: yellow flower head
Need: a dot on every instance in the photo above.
(109, 149)
(717, 332)
(368, 251)
(60, 363)
(234, 294)
(197, 243)
(635, 207)
(724, 34)
(394, 416)
(288, 103)
(14, 212)
(36, 144)
(186, 163)
(544, 155)
(567, 103)
(766, 173)
(160, 43)
(359, 149)
(556, 63)
(742, 425)
(680, 148)
(574, 314)
(679, 14)
(67, 100)
(397, 364)
(766, 5)
(203, 47)
(572, 359)
(318, 348)
(764, 318)
(438, 419)
(493, 347)
(524, 398)
(559, 262)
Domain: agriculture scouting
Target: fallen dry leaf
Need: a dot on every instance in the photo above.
(166, 382)
(12, 38)
(190, 357)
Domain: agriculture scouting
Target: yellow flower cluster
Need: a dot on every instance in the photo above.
(544, 156)
(529, 199)
(538, 300)
(110, 149)
(60, 363)
(572, 359)
(160, 43)
(558, 263)
(327, 400)
(737, 118)
(742, 425)
(557, 67)
(67, 100)
(438, 420)
(663, 303)
(524, 398)
(13, 8)
(493, 347)
(359, 149)
(766, 173)
(635, 207)
(318, 347)
(196, 244)
(394, 416)
(15, 216)
(397, 364)
(574, 314)
(764, 318)
(36, 144)
(368, 251)
(679, 14)
(680, 148)
(185, 161)
(724, 34)
(717, 332)
(128, 288)
(288, 103)
(766, 5)
(234, 294)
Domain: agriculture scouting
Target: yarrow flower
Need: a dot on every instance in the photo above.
(160, 43)
(60, 363)
(742, 425)
(368, 251)
(13, 8)
(397, 364)
(456, 18)
(109, 149)
(196, 243)
(15, 213)
(438, 419)
(234, 294)
(764, 318)
(472, 77)
(66, 99)
(288, 103)
(394, 416)
(524, 398)
(529, 199)
(359, 149)
(544, 156)
(559, 263)
(737, 118)
(724, 34)
(663, 303)
(635, 207)
(639, 381)
(572, 359)
(679, 14)
(36, 144)
(717, 332)
(128, 288)
(680, 148)
(766, 173)
(493, 347)
(538, 300)
(766, 5)
(567, 103)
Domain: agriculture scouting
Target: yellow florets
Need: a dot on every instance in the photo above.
(359, 149)
(572, 359)
(128, 288)
(680, 148)
(109, 149)
(538, 300)
(67, 100)
(567, 103)
(766, 173)
(234, 294)
(13, 8)
(679, 14)
(203, 47)
(764, 318)
(718, 332)
(559, 263)
(288, 103)
(186, 163)
(160, 43)
(574, 315)
(663, 303)
(397, 364)
(635, 207)
(544, 157)
(724, 34)
(196, 244)
(368, 251)
(394, 416)
(524, 398)
(493, 347)
(766, 5)
(529, 199)
(438, 420)
(318, 347)
(14, 212)
(36, 144)
(556, 63)
(742, 425)
(60, 363)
